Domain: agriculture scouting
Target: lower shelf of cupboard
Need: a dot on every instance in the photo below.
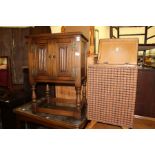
(59, 110)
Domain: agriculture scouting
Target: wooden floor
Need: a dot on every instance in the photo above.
(139, 123)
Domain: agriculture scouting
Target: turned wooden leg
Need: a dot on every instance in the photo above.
(78, 97)
(34, 101)
(47, 93)
(84, 92)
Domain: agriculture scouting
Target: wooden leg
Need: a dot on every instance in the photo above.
(34, 102)
(91, 124)
(84, 92)
(47, 92)
(78, 97)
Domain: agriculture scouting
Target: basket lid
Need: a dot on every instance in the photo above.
(118, 51)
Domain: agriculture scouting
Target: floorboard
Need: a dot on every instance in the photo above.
(138, 124)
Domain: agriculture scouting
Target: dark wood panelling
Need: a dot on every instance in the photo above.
(40, 29)
(19, 55)
(12, 44)
(145, 102)
(5, 41)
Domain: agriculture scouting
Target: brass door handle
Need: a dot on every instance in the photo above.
(53, 56)
(49, 57)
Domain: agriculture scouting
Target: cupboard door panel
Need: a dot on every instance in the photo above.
(42, 59)
(38, 57)
(65, 60)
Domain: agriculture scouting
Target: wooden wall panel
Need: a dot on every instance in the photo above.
(145, 102)
(19, 55)
(13, 44)
(5, 41)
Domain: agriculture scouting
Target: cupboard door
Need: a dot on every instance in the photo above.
(65, 60)
(38, 57)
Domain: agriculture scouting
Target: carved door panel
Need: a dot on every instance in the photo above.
(65, 59)
(38, 57)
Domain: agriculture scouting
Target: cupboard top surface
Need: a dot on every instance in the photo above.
(57, 35)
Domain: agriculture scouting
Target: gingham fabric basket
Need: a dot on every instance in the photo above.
(112, 94)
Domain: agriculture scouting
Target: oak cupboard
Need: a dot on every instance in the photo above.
(59, 59)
